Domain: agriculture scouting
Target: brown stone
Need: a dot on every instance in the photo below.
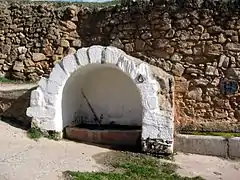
(29, 63)
(59, 50)
(221, 39)
(139, 44)
(77, 43)
(18, 66)
(233, 47)
(38, 57)
(176, 57)
(18, 75)
(178, 69)
(199, 29)
(213, 50)
(160, 43)
(69, 25)
(183, 23)
(48, 51)
(64, 43)
(181, 84)
(195, 94)
(117, 43)
(71, 50)
(170, 33)
(129, 47)
(211, 70)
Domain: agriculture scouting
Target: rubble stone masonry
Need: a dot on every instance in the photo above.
(195, 40)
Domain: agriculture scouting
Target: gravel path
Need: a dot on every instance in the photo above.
(24, 159)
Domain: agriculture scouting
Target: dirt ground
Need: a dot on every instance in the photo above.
(26, 159)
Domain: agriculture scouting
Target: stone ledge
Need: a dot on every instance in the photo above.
(205, 145)
(234, 147)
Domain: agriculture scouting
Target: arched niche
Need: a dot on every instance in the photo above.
(147, 87)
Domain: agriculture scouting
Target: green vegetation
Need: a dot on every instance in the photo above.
(36, 133)
(132, 167)
(223, 134)
(5, 80)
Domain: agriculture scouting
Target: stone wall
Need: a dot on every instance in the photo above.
(196, 41)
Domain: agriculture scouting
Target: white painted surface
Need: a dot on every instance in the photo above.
(116, 92)
(111, 93)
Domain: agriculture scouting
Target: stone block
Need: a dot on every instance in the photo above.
(205, 145)
(234, 147)
(69, 63)
(58, 75)
(82, 56)
(95, 54)
(112, 55)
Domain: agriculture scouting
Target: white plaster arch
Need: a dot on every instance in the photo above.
(157, 119)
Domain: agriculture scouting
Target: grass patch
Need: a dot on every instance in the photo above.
(132, 167)
(6, 80)
(223, 134)
(34, 133)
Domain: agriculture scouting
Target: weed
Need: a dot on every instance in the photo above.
(132, 167)
(34, 133)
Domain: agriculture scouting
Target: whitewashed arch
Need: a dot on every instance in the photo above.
(157, 118)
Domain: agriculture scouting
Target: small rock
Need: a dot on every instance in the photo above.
(234, 38)
(29, 63)
(176, 57)
(69, 25)
(3, 56)
(18, 66)
(64, 43)
(198, 30)
(197, 50)
(2, 61)
(193, 70)
(77, 43)
(146, 35)
(187, 51)
(22, 57)
(215, 29)
(201, 82)
(160, 43)
(221, 39)
(170, 33)
(213, 49)
(195, 94)
(72, 50)
(178, 69)
(38, 57)
(139, 44)
(117, 43)
(129, 47)
(210, 70)
(22, 50)
(18, 75)
(182, 23)
(223, 61)
(205, 36)
(48, 51)
(59, 50)
(233, 47)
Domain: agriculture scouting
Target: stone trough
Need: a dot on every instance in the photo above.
(117, 137)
